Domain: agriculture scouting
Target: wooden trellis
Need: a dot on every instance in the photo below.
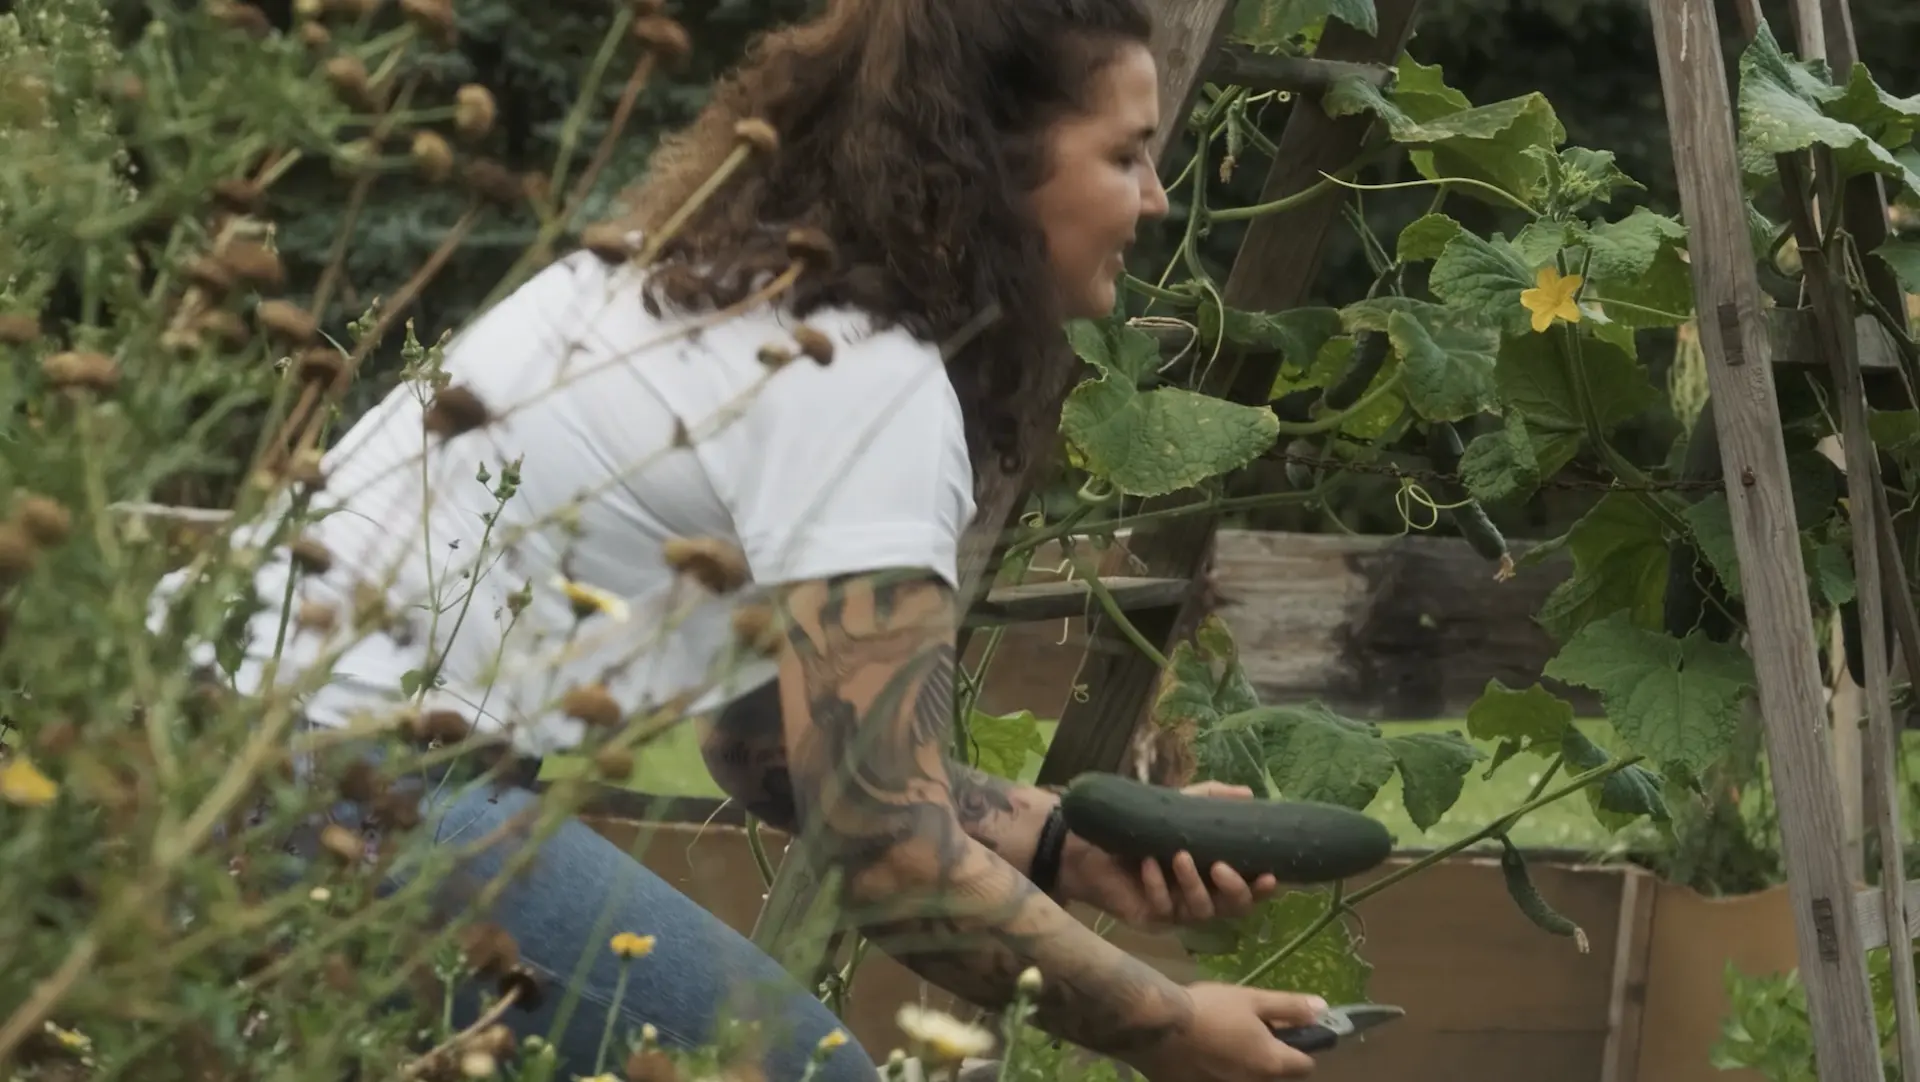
(1835, 925)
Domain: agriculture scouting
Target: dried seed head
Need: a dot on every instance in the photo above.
(614, 763)
(287, 322)
(345, 845)
(17, 551)
(496, 1040)
(473, 112)
(310, 556)
(489, 949)
(309, 9)
(45, 521)
(432, 157)
(758, 134)
(239, 194)
(442, 727)
(775, 357)
(316, 616)
(320, 364)
(717, 565)
(665, 39)
(336, 972)
(494, 182)
(433, 18)
(397, 810)
(591, 704)
(651, 1065)
(814, 343)
(241, 16)
(610, 241)
(222, 326)
(19, 330)
(79, 370)
(315, 36)
(253, 263)
(361, 782)
(304, 469)
(756, 629)
(456, 410)
(520, 983)
(475, 1063)
(209, 274)
(812, 248)
(347, 74)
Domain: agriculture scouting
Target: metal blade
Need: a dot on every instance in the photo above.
(1360, 1017)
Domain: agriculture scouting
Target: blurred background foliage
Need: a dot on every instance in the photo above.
(1593, 59)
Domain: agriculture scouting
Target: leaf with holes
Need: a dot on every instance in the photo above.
(1535, 719)
(1433, 767)
(1152, 442)
(1676, 701)
(1786, 107)
(1002, 743)
(1448, 365)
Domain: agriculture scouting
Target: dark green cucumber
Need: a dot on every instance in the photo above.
(1294, 841)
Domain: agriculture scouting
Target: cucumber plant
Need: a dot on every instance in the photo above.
(1507, 347)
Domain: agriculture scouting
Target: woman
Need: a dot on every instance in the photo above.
(934, 160)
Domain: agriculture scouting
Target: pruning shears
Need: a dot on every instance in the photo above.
(1337, 1022)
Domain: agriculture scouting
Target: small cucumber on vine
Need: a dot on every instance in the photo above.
(1370, 350)
(1444, 450)
(1294, 841)
(1299, 474)
(1513, 868)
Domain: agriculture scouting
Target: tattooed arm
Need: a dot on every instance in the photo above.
(746, 752)
(866, 690)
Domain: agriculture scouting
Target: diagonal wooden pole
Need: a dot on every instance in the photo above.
(1733, 334)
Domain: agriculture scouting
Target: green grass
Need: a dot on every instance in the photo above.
(672, 767)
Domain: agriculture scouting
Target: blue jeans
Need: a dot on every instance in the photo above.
(700, 969)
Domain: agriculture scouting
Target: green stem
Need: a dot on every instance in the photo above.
(1494, 829)
(613, 1015)
(1112, 608)
(759, 849)
(1443, 182)
(1149, 290)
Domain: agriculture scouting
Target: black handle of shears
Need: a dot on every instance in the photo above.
(1308, 1039)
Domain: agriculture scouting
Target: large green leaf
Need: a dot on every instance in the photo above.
(1483, 279)
(1433, 767)
(1676, 701)
(1904, 257)
(1297, 334)
(1426, 238)
(1886, 119)
(1501, 464)
(1002, 742)
(1535, 719)
(1150, 443)
(1449, 365)
(1204, 681)
(1272, 22)
(1487, 143)
(1536, 378)
(1619, 566)
(1638, 262)
(1788, 106)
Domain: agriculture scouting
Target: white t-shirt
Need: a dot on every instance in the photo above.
(811, 471)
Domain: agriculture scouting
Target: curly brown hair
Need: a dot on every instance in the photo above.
(910, 132)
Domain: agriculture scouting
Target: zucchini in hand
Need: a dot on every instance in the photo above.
(1294, 841)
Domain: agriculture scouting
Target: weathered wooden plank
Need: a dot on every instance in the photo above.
(1727, 294)
(1792, 334)
(1383, 628)
(1870, 908)
(1837, 344)
(1627, 998)
(1063, 600)
(1278, 261)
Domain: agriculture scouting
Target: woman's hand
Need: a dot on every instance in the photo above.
(1140, 894)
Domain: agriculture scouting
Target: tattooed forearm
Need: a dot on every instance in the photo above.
(867, 696)
(746, 754)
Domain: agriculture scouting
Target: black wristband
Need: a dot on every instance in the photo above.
(1045, 871)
